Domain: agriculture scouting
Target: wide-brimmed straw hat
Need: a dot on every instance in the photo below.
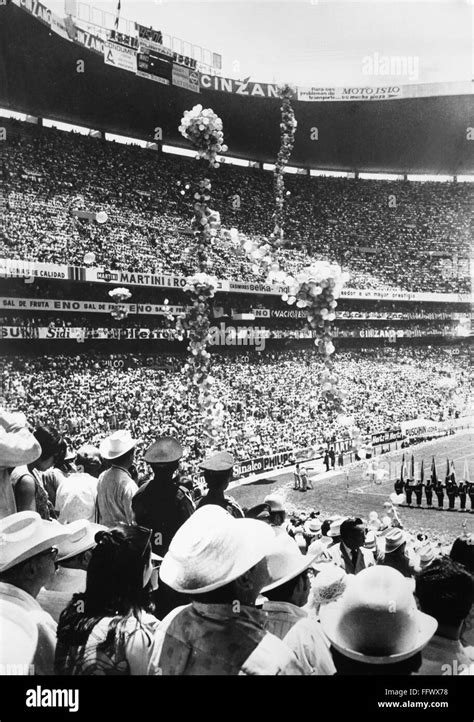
(394, 539)
(284, 564)
(335, 528)
(212, 548)
(275, 502)
(81, 538)
(24, 535)
(376, 621)
(117, 444)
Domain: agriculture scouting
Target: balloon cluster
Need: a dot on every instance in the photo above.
(316, 289)
(288, 127)
(201, 288)
(206, 222)
(204, 129)
(119, 295)
(263, 255)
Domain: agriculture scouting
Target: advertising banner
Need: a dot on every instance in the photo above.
(120, 56)
(239, 87)
(72, 306)
(37, 9)
(59, 26)
(96, 275)
(93, 42)
(313, 94)
(32, 269)
(185, 78)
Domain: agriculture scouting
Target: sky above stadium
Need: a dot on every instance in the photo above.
(319, 42)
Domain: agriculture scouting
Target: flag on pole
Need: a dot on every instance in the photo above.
(402, 470)
(434, 476)
(452, 472)
(466, 471)
(117, 15)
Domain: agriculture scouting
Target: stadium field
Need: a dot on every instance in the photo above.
(354, 490)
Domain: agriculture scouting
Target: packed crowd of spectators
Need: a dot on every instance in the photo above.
(148, 201)
(101, 576)
(274, 400)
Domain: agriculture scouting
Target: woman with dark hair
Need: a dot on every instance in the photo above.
(27, 481)
(462, 552)
(108, 630)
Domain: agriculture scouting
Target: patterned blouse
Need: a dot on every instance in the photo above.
(104, 645)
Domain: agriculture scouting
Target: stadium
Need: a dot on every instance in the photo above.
(256, 286)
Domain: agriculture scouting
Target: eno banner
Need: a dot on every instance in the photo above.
(70, 305)
(120, 56)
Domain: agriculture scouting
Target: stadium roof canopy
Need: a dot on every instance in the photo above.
(39, 76)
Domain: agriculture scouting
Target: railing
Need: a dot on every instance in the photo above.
(100, 22)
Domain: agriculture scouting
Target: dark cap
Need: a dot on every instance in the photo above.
(222, 461)
(165, 450)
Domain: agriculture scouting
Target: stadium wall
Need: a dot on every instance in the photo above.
(39, 76)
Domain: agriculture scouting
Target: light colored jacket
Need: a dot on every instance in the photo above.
(303, 636)
(43, 660)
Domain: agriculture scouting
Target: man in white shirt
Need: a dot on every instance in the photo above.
(76, 496)
(27, 562)
(445, 590)
(287, 595)
(116, 487)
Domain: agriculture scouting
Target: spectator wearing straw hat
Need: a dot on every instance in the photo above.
(221, 562)
(350, 553)
(375, 627)
(76, 496)
(218, 470)
(333, 532)
(394, 554)
(277, 521)
(287, 594)
(18, 446)
(27, 562)
(27, 480)
(327, 587)
(116, 488)
(73, 558)
(445, 590)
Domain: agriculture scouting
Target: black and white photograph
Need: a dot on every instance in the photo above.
(236, 422)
